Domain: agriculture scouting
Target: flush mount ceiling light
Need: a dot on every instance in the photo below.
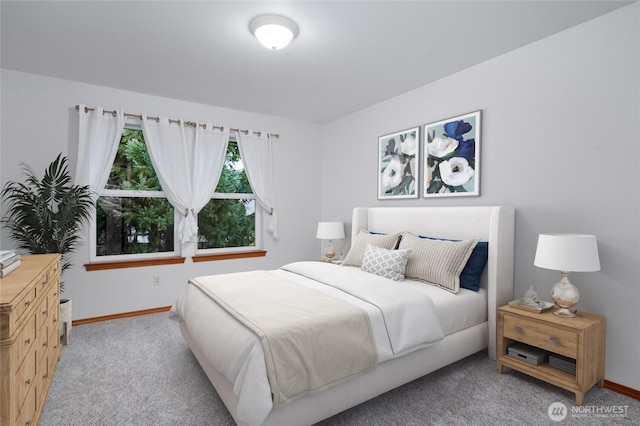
(273, 31)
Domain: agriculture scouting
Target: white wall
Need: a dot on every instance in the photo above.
(560, 142)
(39, 120)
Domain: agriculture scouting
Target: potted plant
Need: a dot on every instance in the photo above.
(46, 216)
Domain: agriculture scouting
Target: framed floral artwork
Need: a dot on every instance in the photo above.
(452, 156)
(398, 164)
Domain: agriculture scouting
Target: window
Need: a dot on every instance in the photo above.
(135, 220)
(133, 216)
(228, 220)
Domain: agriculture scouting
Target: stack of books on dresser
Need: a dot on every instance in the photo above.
(9, 262)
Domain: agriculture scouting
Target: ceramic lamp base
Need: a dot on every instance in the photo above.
(566, 296)
(329, 252)
(565, 313)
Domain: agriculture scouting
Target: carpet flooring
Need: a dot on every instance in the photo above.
(138, 371)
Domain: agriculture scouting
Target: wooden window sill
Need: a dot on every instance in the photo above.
(117, 264)
(227, 256)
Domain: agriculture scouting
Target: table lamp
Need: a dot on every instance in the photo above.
(330, 231)
(567, 253)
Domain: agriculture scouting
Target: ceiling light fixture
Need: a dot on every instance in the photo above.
(273, 31)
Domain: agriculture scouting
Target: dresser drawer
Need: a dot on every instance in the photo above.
(42, 312)
(542, 335)
(27, 412)
(23, 305)
(54, 272)
(25, 341)
(43, 282)
(42, 346)
(25, 378)
(42, 379)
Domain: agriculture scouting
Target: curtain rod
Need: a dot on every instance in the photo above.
(188, 123)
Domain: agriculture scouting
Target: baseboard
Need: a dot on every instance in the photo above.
(621, 389)
(624, 390)
(122, 315)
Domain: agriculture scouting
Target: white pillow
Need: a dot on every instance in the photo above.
(436, 261)
(356, 252)
(386, 263)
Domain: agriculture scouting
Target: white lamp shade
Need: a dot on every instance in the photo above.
(330, 231)
(567, 252)
(273, 31)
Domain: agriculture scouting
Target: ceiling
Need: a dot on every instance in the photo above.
(348, 54)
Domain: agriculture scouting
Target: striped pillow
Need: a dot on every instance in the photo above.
(437, 262)
(356, 252)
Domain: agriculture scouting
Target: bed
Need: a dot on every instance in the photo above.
(206, 325)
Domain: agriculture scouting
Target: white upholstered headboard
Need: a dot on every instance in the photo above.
(495, 224)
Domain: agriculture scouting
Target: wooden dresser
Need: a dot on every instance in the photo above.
(29, 337)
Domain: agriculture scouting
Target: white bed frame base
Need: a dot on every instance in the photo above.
(494, 224)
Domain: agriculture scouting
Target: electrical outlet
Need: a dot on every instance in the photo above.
(156, 281)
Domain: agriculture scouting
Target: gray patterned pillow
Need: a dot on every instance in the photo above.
(356, 252)
(435, 261)
(386, 263)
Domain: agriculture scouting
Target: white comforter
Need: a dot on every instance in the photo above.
(403, 320)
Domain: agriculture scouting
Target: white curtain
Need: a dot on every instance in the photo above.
(99, 136)
(188, 161)
(255, 150)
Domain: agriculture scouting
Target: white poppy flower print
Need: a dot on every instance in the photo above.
(441, 147)
(392, 175)
(455, 171)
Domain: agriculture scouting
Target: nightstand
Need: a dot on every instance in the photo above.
(581, 338)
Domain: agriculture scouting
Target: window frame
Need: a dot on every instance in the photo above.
(94, 258)
(142, 259)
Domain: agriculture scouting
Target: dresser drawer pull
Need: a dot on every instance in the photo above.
(27, 382)
(45, 376)
(28, 423)
(554, 339)
(45, 312)
(27, 303)
(28, 341)
(45, 344)
(518, 329)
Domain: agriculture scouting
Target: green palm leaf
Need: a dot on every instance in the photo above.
(46, 215)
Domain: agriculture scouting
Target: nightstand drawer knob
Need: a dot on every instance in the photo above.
(518, 329)
(554, 339)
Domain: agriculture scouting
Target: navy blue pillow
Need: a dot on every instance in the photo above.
(472, 272)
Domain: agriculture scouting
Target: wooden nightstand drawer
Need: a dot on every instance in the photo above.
(545, 336)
